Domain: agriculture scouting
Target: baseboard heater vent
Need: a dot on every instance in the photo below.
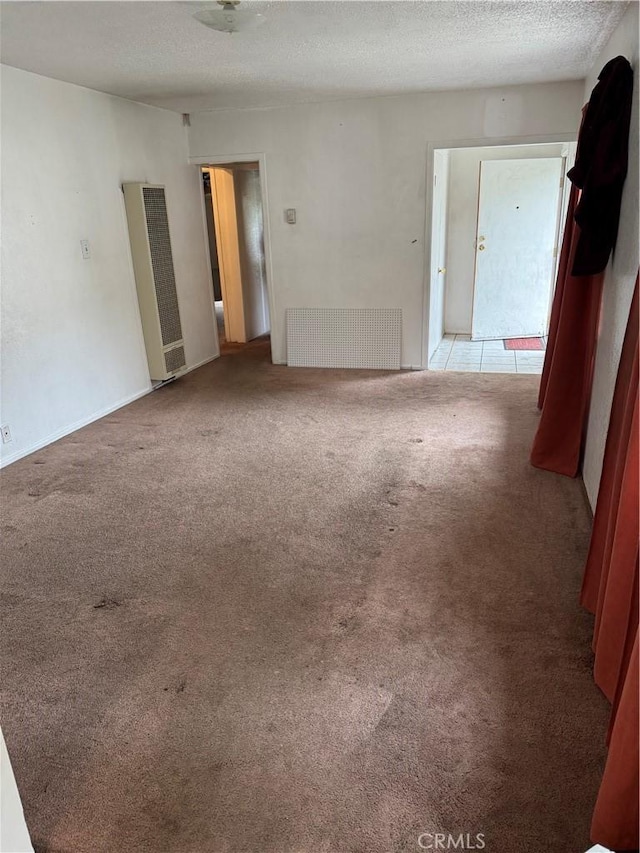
(146, 208)
(344, 337)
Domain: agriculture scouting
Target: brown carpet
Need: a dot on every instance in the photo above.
(269, 610)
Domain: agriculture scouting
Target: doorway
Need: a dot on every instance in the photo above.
(235, 229)
(516, 246)
(497, 214)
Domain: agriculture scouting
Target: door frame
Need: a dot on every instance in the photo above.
(439, 243)
(224, 160)
(483, 142)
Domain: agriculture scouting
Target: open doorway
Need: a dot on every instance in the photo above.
(235, 227)
(497, 214)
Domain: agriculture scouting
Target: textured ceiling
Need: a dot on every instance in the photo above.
(155, 52)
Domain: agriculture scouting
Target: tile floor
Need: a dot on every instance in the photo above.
(459, 352)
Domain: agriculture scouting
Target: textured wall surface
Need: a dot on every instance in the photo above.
(357, 173)
(156, 52)
(72, 346)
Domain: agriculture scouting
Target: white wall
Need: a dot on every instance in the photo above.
(462, 219)
(622, 270)
(356, 172)
(14, 835)
(72, 346)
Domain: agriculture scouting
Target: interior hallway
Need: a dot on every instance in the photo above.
(296, 610)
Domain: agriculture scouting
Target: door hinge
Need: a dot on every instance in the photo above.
(555, 251)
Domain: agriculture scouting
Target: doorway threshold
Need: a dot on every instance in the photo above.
(459, 353)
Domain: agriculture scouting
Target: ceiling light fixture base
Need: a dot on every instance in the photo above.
(229, 18)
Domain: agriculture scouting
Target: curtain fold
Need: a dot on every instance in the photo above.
(558, 294)
(567, 375)
(612, 562)
(610, 590)
(615, 817)
(590, 232)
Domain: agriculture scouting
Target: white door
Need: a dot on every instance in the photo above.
(438, 249)
(515, 242)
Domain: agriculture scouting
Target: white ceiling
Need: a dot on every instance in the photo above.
(157, 53)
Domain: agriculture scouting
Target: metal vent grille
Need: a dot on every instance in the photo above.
(155, 210)
(344, 337)
(174, 359)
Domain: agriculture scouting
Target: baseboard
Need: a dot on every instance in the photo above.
(200, 364)
(585, 495)
(62, 433)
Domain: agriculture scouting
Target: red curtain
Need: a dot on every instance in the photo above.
(610, 590)
(567, 375)
(615, 818)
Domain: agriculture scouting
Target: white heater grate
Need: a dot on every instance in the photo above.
(174, 359)
(146, 208)
(155, 209)
(344, 337)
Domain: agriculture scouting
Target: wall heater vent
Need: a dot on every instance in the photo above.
(344, 337)
(155, 280)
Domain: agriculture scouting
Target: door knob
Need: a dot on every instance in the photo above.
(442, 269)
(481, 248)
(480, 239)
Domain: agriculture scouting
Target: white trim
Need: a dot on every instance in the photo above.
(83, 422)
(199, 364)
(483, 142)
(14, 834)
(205, 229)
(260, 158)
(224, 159)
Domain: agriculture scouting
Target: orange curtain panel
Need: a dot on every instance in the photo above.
(567, 375)
(610, 590)
(615, 817)
(597, 179)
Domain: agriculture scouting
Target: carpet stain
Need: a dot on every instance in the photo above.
(357, 642)
(107, 604)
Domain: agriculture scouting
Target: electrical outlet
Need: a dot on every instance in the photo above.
(6, 434)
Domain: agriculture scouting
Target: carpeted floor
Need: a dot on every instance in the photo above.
(268, 610)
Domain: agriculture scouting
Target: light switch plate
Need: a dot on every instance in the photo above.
(86, 251)
(290, 215)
